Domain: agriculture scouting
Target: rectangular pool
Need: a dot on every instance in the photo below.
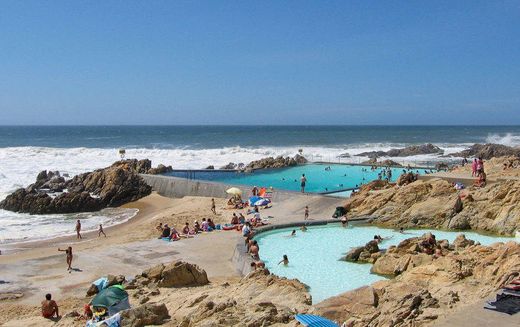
(319, 179)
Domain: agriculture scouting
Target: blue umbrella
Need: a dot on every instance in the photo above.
(314, 321)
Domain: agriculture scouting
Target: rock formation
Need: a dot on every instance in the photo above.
(434, 203)
(258, 299)
(109, 187)
(278, 162)
(426, 287)
(404, 152)
(488, 151)
(384, 163)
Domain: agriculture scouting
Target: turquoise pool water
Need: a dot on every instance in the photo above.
(314, 256)
(318, 179)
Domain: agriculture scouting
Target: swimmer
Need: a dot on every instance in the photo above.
(285, 260)
(344, 221)
(303, 228)
(293, 232)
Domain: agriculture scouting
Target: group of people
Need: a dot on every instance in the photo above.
(171, 233)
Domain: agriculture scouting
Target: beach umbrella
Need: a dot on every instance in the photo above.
(234, 191)
(253, 199)
(314, 321)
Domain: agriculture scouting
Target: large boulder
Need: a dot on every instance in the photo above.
(278, 162)
(145, 315)
(175, 274)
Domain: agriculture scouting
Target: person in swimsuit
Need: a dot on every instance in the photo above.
(285, 260)
(49, 307)
(101, 231)
(68, 252)
(78, 229)
(303, 180)
(213, 207)
(306, 216)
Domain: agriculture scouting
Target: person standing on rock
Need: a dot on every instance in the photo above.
(303, 181)
(78, 229)
(474, 168)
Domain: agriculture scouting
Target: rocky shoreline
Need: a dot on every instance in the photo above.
(113, 186)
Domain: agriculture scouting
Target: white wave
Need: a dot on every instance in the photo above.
(508, 139)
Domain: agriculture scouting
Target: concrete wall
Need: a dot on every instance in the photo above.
(175, 187)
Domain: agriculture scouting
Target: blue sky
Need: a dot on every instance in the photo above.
(259, 62)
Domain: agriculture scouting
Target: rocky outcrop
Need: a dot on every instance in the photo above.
(384, 163)
(428, 287)
(175, 274)
(368, 253)
(229, 166)
(145, 315)
(258, 299)
(436, 203)
(143, 166)
(108, 187)
(488, 151)
(408, 151)
(278, 162)
(34, 202)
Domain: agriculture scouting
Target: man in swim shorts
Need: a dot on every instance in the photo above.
(303, 180)
(49, 307)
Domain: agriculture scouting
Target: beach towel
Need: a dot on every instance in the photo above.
(506, 303)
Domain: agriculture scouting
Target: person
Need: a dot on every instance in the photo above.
(257, 264)
(474, 168)
(165, 232)
(306, 216)
(234, 219)
(78, 229)
(186, 229)
(101, 231)
(159, 227)
(303, 181)
(196, 227)
(285, 260)
(480, 166)
(49, 307)
(246, 230)
(205, 225)
(481, 181)
(254, 191)
(213, 207)
(68, 252)
(211, 224)
(241, 219)
(293, 233)
(344, 221)
(174, 235)
(253, 250)
(378, 238)
(303, 228)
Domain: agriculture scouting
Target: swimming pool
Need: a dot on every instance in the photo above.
(318, 179)
(314, 256)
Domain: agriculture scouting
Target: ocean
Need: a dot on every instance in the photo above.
(26, 150)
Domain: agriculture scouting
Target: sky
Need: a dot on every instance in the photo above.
(259, 62)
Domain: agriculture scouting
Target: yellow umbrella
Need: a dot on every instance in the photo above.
(234, 191)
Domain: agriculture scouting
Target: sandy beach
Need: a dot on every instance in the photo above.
(35, 268)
